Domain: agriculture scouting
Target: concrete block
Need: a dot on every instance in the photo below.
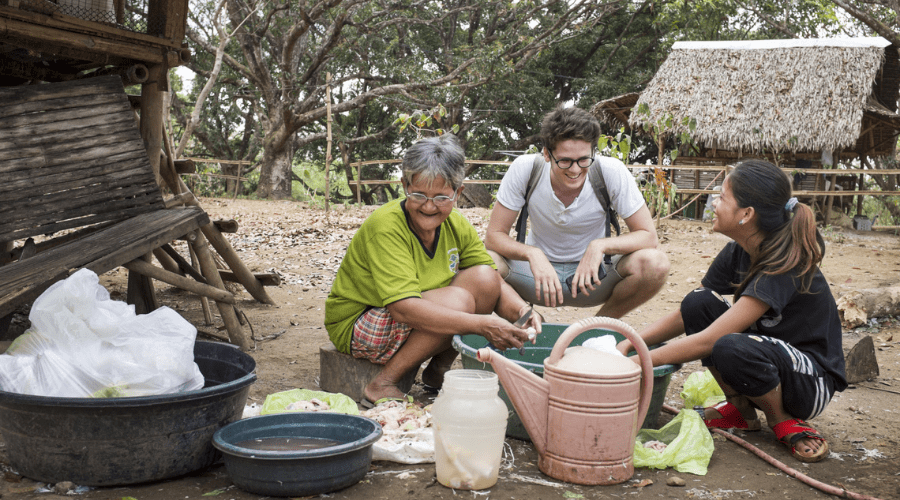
(342, 373)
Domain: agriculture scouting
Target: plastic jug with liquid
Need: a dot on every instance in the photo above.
(469, 420)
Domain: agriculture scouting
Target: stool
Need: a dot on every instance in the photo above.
(342, 373)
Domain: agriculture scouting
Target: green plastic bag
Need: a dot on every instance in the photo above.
(278, 402)
(689, 445)
(701, 389)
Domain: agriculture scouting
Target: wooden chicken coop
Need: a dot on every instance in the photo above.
(58, 57)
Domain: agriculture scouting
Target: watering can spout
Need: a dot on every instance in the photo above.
(528, 393)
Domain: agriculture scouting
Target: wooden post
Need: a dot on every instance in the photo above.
(166, 262)
(237, 182)
(151, 115)
(830, 199)
(222, 246)
(358, 183)
(328, 143)
(211, 273)
(859, 197)
(191, 285)
(140, 292)
(204, 303)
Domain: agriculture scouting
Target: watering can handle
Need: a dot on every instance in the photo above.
(628, 332)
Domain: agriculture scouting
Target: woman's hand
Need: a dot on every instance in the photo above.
(546, 282)
(503, 334)
(535, 322)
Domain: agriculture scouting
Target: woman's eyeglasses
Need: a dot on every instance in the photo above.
(439, 200)
(566, 163)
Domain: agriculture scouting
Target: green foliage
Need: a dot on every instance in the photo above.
(618, 146)
(752, 20)
(420, 120)
(519, 60)
(312, 189)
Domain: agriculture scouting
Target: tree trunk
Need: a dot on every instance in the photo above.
(275, 172)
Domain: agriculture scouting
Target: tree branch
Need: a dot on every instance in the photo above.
(876, 25)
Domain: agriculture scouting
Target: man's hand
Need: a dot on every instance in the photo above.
(546, 282)
(587, 274)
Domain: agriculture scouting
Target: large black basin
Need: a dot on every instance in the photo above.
(117, 441)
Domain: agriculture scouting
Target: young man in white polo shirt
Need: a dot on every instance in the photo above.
(563, 260)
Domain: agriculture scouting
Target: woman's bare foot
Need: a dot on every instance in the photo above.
(376, 390)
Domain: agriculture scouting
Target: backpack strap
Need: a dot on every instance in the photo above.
(598, 183)
(536, 170)
(595, 175)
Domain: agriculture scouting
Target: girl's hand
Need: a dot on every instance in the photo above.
(625, 347)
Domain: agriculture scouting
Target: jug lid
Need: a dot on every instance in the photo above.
(580, 359)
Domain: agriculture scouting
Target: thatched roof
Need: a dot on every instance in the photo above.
(776, 95)
(616, 110)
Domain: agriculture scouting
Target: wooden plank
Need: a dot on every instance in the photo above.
(13, 115)
(34, 222)
(59, 176)
(71, 23)
(99, 252)
(98, 198)
(11, 96)
(36, 145)
(89, 46)
(41, 186)
(54, 120)
(110, 148)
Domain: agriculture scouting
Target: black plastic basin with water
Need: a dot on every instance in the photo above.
(117, 441)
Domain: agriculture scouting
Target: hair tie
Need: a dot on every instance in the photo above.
(789, 206)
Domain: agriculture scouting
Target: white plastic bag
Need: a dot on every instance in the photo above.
(405, 447)
(82, 344)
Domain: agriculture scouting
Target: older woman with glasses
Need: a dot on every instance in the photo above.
(568, 257)
(415, 274)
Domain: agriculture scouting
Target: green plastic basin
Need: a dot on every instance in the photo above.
(533, 360)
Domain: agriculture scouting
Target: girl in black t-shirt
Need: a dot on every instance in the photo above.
(778, 348)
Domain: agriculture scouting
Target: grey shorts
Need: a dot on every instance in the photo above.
(522, 281)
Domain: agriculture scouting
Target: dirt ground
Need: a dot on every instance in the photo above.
(305, 246)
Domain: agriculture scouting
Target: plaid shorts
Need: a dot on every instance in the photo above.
(377, 337)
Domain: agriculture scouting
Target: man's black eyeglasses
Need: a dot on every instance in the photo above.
(566, 163)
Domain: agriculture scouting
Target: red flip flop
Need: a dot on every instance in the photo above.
(800, 430)
(731, 418)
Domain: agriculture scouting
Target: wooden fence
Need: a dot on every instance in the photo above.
(688, 180)
(238, 178)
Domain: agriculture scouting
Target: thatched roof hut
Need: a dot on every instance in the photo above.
(775, 96)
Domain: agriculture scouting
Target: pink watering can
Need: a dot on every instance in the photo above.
(584, 414)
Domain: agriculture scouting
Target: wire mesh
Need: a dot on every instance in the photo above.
(131, 15)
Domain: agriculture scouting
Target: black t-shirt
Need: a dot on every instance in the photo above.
(808, 321)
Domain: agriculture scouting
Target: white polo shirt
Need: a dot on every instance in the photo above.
(561, 232)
